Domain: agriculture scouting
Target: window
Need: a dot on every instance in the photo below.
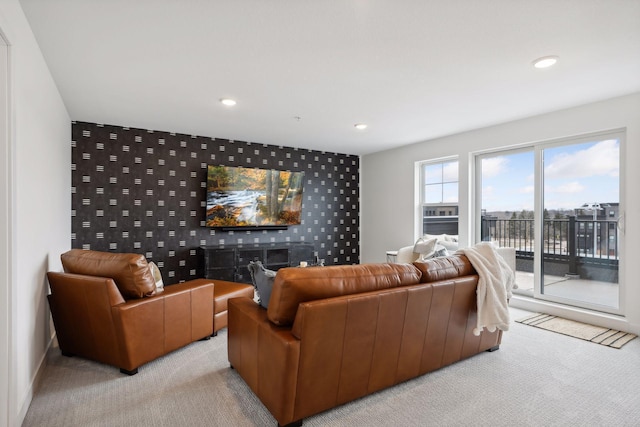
(439, 197)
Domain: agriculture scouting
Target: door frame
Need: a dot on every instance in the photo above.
(537, 147)
(7, 238)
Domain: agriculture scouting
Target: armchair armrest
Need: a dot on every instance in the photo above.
(81, 310)
(151, 327)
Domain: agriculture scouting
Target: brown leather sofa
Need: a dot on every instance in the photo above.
(334, 334)
(105, 307)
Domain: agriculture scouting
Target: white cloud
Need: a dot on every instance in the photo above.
(488, 192)
(450, 171)
(569, 187)
(494, 166)
(527, 190)
(597, 160)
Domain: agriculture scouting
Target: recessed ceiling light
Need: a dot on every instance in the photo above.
(545, 61)
(228, 102)
(360, 126)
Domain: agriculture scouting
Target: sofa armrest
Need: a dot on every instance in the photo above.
(265, 355)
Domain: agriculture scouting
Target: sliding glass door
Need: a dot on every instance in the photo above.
(581, 211)
(558, 205)
(507, 206)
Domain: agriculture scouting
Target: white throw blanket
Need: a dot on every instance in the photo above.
(495, 283)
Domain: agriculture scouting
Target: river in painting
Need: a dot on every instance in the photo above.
(243, 204)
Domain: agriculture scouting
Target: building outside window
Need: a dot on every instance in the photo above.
(439, 197)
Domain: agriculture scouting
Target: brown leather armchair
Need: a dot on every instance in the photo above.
(105, 307)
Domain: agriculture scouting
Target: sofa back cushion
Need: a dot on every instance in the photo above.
(295, 285)
(130, 272)
(444, 268)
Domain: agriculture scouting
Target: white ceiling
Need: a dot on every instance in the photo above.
(412, 70)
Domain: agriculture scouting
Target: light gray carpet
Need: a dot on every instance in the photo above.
(537, 378)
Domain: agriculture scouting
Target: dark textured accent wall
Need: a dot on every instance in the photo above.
(143, 191)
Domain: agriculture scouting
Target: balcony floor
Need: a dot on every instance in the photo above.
(579, 290)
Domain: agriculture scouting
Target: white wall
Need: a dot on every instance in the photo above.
(387, 180)
(5, 230)
(39, 138)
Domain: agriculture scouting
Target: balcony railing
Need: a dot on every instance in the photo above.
(569, 237)
(583, 248)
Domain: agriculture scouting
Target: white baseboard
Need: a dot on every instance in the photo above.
(35, 383)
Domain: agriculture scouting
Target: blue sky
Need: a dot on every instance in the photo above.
(573, 174)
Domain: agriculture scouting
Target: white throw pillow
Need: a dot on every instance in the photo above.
(449, 241)
(425, 247)
(440, 237)
(451, 246)
(155, 272)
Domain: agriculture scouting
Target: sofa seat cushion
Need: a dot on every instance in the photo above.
(444, 268)
(130, 272)
(294, 285)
